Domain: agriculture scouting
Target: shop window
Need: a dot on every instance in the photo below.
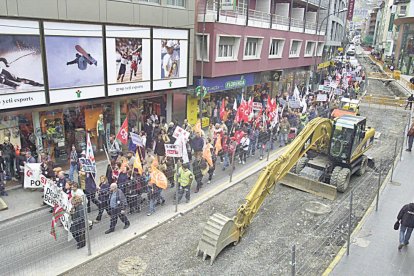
(202, 48)
(227, 48)
(295, 46)
(276, 48)
(62, 128)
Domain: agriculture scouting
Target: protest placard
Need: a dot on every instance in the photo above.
(294, 103)
(33, 177)
(173, 150)
(321, 97)
(180, 131)
(256, 106)
(51, 193)
(136, 139)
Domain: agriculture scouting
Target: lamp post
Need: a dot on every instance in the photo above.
(318, 32)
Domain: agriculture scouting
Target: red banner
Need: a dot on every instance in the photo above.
(350, 14)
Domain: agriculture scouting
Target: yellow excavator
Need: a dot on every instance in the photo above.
(338, 146)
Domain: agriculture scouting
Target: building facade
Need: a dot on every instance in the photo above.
(257, 46)
(72, 67)
(335, 29)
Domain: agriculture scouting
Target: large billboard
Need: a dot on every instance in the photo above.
(75, 62)
(170, 58)
(128, 60)
(21, 68)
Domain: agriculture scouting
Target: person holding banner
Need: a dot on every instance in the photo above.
(78, 221)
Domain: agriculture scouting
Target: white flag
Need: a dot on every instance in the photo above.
(235, 105)
(296, 94)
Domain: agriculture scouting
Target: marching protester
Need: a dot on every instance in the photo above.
(185, 178)
(2, 186)
(77, 227)
(90, 191)
(103, 197)
(117, 205)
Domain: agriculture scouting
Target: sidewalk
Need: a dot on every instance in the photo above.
(373, 248)
(25, 201)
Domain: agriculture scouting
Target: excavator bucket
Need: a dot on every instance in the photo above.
(219, 232)
(309, 185)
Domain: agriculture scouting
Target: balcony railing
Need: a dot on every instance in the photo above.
(255, 18)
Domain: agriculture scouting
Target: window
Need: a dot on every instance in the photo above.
(151, 1)
(319, 49)
(403, 11)
(252, 47)
(276, 48)
(227, 48)
(310, 48)
(295, 46)
(202, 49)
(179, 3)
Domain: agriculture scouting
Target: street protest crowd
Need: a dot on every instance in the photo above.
(141, 165)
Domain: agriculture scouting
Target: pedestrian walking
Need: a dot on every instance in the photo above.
(284, 131)
(117, 204)
(77, 227)
(406, 219)
(90, 191)
(410, 100)
(410, 135)
(199, 165)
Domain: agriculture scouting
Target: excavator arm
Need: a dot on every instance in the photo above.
(221, 231)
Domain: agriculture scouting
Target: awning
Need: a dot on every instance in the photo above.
(404, 20)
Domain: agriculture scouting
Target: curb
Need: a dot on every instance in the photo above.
(24, 214)
(182, 213)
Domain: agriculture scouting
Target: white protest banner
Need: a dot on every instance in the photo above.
(333, 85)
(182, 146)
(321, 97)
(66, 204)
(51, 194)
(321, 87)
(32, 173)
(173, 150)
(136, 139)
(257, 106)
(181, 132)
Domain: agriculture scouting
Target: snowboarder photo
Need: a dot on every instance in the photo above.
(74, 61)
(20, 64)
(82, 59)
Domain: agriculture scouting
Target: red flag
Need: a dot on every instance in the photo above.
(222, 109)
(122, 135)
(250, 105)
(57, 213)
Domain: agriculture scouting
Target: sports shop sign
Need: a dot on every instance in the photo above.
(226, 83)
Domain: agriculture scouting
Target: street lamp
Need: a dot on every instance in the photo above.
(318, 32)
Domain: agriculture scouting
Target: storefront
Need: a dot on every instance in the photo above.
(404, 52)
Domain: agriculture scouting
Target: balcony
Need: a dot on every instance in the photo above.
(260, 19)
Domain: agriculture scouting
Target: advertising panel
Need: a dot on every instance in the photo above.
(170, 58)
(128, 60)
(75, 64)
(21, 68)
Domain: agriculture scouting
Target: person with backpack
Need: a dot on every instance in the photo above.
(406, 219)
